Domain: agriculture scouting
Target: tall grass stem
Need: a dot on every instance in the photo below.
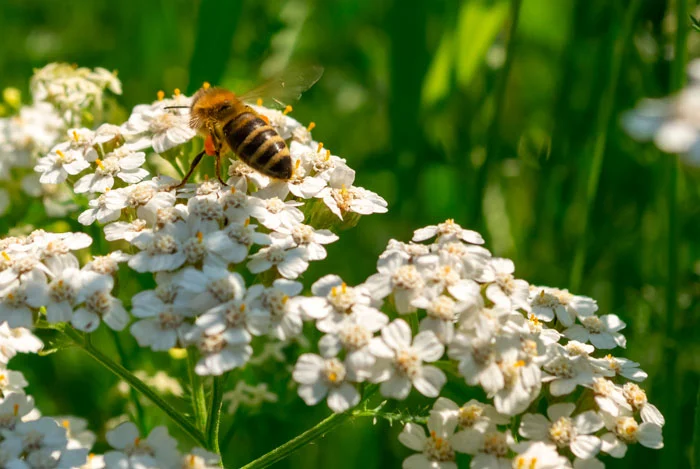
(605, 112)
(672, 429)
(493, 132)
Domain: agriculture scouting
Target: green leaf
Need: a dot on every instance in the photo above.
(478, 25)
(436, 85)
(215, 28)
(56, 344)
(695, 23)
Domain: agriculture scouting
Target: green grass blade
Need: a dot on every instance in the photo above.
(478, 25)
(605, 112)
(672, 431)
(216, 26)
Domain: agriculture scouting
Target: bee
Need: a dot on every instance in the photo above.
(228, 123)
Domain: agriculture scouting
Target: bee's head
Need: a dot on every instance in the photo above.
(211, 106)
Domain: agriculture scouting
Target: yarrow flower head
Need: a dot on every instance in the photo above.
(400, 361)
(226, 262)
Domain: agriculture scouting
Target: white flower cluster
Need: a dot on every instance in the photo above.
(72, 90)
(157, 451)
(673, 123)
(27, 135)
(29, 440)
(62, 96)
(196, 238)
(227, 261)
(492, 327)
(102, 153)
(40, 275)
(115, 152)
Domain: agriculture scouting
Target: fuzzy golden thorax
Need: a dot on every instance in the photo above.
(212, 108)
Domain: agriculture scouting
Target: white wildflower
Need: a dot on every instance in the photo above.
(354, 334)
(162, 325)
(438, 449)
(319, 377)
(98, 304)
(158, 449)
(473, 414)
(290, 263)
(564, 431)
(105, 208)
(400, 361)
(447, 231)
(162, 129)
(333, 300)
(625, 430)
(221, 352)
(233, 242)
(307, 237)
(281, 302)
(602, 331)
(122, 163)
(505, 290)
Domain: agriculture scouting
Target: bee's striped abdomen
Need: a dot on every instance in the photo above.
(259, 145)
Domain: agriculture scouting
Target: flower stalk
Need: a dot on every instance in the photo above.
(137, 384)
(199, 403)
(323, 427)
(140, 415)
(214, 419)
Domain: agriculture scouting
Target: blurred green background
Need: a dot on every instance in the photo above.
(499, 114)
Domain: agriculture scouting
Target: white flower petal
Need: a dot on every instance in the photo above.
(585, 446)
(413, 436)
(343, 398)
(430, 381)
(397, 335)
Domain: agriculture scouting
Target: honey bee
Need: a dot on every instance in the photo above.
(227, 122)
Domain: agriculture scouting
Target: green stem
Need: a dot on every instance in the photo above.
(603, 123)
(319, 430)
(140, 415)
(413, 322)
(324, 426)
(493, 132)
(137, 384)
(673, 161)
(199, 402)
(214, 420)
(391, 417)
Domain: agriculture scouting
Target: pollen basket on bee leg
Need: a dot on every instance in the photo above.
(209, 147)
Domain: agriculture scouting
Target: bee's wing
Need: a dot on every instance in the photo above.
(285, 87)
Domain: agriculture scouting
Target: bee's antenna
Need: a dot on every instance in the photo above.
(176, 107)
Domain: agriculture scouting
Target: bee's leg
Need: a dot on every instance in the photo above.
(193, 165)
(217, 161)
(217, 165)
